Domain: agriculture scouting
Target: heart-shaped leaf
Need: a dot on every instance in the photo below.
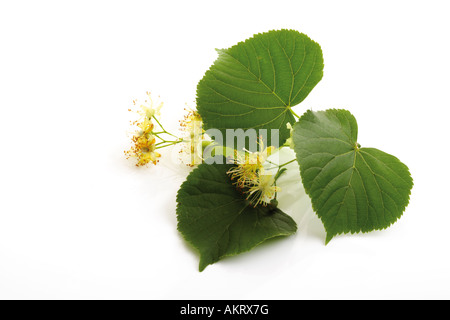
(254, 84)
(218, 220)
(352, 189)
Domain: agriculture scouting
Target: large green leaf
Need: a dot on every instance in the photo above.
(352, 189)
(254, 84)
(217, 219)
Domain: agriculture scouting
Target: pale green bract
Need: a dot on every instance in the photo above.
(352, 189)
(254, 84)
(218, 220)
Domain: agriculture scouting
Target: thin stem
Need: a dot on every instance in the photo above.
(296, 115)
(168, 143)
(278, 174)
(156, 119)
(156, 134)
(160, 143)
(285, 164)
(170, 134)
(164, 130)
(281, 165)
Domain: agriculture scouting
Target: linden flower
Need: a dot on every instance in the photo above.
(144, 150)
(263, 189)
(251, 177)
(144, 142)
(192, 127)
(149, 108)
(244, 172)
(249, 164)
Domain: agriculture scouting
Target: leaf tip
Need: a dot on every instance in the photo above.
(328, 238)
(202, 266)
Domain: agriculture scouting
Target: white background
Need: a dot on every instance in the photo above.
(78, 221)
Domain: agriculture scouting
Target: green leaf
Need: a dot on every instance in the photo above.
(352, 189)
(254, 84)
(217, 219)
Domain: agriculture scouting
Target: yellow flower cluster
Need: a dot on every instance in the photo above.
(144, 142)
(251, 177)
(263, 189)
(192, 127)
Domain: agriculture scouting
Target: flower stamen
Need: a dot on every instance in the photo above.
(251, 177)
